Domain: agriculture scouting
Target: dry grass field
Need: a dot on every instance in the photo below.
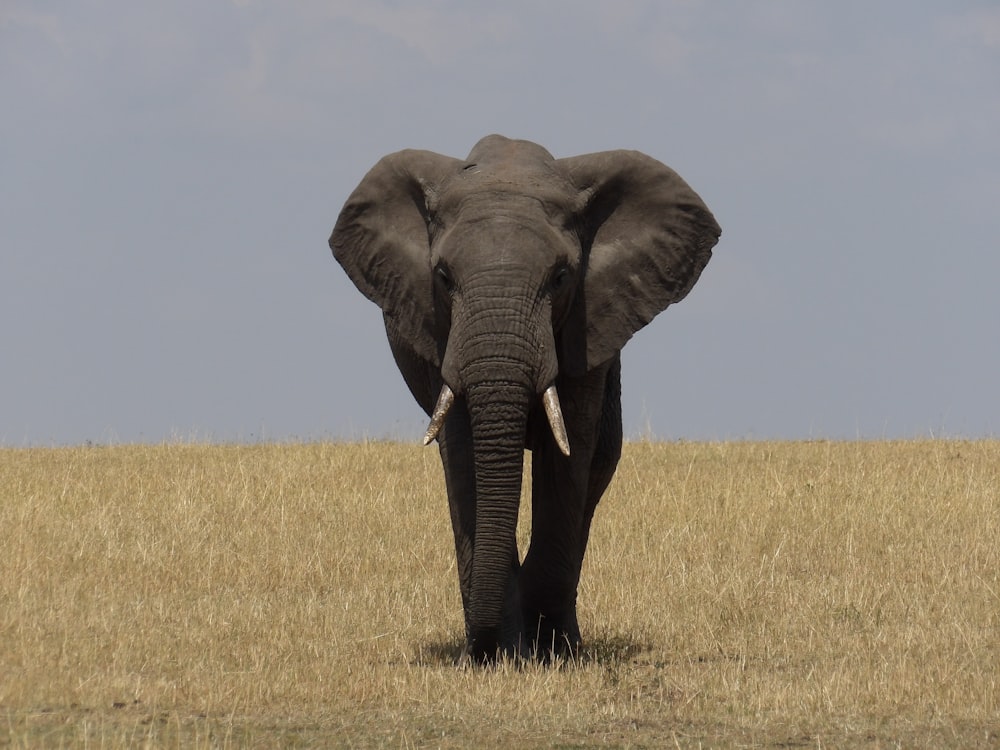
(736, 594)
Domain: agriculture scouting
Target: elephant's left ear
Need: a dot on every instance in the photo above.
(650, 237)
(381, 240)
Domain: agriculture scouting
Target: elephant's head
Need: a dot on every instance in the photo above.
(508, 272)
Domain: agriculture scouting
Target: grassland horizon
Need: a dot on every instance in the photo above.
(819, 593)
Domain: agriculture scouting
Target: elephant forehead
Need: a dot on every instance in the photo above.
(533, 200)
(506, 236)
(504, 181)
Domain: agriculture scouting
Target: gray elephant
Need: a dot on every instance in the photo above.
(509, 283)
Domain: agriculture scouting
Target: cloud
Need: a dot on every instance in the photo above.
(438, 31)
(981, 25)
(44, 25)
(28, 40)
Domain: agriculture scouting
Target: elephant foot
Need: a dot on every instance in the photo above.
(554, 636)
(486, 649)
(500, 642)
(492, 645)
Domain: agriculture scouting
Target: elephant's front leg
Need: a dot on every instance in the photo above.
(455, 444)
(551, 569)
(565, 492)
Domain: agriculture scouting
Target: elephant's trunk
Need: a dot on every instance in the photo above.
(498, 412)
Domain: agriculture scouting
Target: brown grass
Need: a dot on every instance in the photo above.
(737, 594)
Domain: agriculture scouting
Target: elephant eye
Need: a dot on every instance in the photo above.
(444, 278)
(559, 278)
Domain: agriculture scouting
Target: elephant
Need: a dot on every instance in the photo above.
(509, 283)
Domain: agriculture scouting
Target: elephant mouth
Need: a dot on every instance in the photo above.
(550, 400)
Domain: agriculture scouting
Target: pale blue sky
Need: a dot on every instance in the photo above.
(170, 173)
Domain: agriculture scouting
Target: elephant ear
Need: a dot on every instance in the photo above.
(650, 237)
(381, 240)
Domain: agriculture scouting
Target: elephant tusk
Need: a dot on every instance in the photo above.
(554, 413)
(444, 402)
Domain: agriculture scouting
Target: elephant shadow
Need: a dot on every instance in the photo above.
(609, 650)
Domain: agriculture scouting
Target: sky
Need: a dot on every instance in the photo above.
(170, 174)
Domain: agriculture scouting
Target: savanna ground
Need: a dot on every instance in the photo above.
(736, 594)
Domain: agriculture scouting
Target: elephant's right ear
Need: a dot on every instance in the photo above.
(381, 240)
(650, 236)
